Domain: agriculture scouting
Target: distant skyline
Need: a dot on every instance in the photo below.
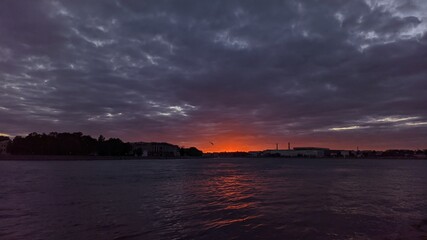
(243, 75)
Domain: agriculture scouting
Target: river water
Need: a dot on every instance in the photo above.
(214, 199)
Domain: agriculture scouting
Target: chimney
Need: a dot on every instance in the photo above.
(277, 146)
(289, 146)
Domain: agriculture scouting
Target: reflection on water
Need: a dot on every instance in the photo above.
(232, 193)
(214, 199)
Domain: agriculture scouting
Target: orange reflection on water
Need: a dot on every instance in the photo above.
(232, 194)
(239, 206)
(226, 222)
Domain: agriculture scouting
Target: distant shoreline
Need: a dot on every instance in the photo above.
(119, 158)
(76, 158)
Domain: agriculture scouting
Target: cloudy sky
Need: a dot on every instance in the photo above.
(241, 74)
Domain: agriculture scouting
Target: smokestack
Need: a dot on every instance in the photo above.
(277, 146)
(289, 146)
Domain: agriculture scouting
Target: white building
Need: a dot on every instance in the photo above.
(3, 147)
(345, 153)
(153, 149)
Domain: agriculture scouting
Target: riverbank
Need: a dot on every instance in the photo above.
(118, 158)
(74, 158)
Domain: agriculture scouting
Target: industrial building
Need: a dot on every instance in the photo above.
(298, 152)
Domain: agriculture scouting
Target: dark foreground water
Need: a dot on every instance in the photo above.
(214, 199)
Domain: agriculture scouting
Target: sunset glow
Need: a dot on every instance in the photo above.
(342, 75)
(218, 119)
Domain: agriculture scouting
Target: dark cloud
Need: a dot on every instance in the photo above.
(341, 73)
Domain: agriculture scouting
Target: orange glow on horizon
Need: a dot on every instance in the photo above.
(236, 137)
(235, 143)
(232, 137)
(246, 143)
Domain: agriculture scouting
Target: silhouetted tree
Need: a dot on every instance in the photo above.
(4, 138)
(113, 147)
(101, 138)
(53, 144)
(191, 152)
(138, 152)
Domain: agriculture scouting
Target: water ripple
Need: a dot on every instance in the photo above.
(214, 199)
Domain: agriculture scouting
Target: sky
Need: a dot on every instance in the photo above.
(219, 75)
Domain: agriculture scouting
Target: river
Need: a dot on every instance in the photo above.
(214, 199)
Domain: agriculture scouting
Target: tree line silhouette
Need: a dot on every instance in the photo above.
(4, 138)
(192, 152)
(76, 144)
(67, 144)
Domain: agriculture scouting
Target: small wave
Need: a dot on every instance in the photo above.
(422, 226)
(226, 222)
(128, 236)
